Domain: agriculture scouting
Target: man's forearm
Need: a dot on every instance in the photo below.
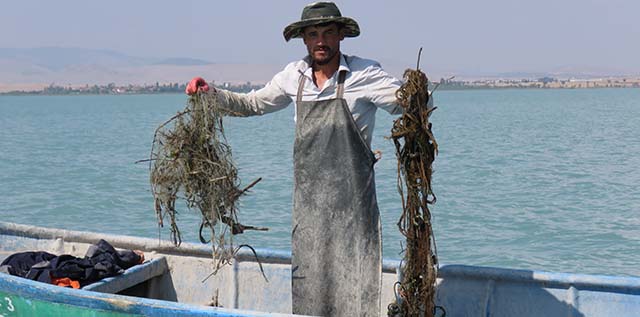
(250, 104)
(237, 104)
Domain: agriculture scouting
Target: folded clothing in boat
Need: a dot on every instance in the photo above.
(101, 260)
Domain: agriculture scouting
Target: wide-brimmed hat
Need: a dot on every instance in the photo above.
(319, 13)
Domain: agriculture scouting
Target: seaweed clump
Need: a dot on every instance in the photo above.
(416, 149)
(191, 161)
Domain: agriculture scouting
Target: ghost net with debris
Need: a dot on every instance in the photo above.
(191, 161)
(416, 149)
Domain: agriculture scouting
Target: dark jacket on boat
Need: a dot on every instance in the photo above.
(100, 261)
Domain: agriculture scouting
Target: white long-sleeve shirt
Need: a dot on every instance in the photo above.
(366, 88)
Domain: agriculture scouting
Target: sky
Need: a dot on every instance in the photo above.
(457, 36)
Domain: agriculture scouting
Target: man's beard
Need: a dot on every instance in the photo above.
(320, 62)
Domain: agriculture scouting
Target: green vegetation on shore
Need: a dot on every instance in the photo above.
(113, 89)
(443, 84)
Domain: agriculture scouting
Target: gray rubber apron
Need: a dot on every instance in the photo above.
(336, 265)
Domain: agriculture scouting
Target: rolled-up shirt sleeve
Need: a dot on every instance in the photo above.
(272, 97)
(383, 90)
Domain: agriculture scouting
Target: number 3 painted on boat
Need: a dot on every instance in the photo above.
(9, 304)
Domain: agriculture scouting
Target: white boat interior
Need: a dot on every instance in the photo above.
(179, 274)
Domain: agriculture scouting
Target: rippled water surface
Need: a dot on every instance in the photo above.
(533, 179)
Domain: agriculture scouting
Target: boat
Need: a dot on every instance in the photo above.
(173, 282)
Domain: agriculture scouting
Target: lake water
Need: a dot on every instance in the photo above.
(532, 179)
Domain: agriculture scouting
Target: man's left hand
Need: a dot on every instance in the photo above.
(195, 85)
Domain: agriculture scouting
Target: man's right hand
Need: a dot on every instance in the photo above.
(195, 85)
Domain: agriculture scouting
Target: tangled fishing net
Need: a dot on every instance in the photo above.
(416, 149)
(191, 161)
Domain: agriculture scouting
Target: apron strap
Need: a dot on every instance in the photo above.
(300, 87)
(339, 90)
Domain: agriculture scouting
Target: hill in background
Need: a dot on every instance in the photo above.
(34, 68)
(29, 69)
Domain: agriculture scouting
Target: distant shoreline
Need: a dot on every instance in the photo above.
(541, 83)
(112, 89)
(443, 84)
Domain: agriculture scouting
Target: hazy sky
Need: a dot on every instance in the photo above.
(457, 35)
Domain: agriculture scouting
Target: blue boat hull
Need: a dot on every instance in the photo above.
(171, 284)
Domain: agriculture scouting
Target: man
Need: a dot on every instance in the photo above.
(336, 243)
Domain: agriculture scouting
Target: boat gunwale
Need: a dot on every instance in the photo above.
(624, 284)
(33, 290)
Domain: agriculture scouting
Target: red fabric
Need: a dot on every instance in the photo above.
(195, 85)
(65, 282)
